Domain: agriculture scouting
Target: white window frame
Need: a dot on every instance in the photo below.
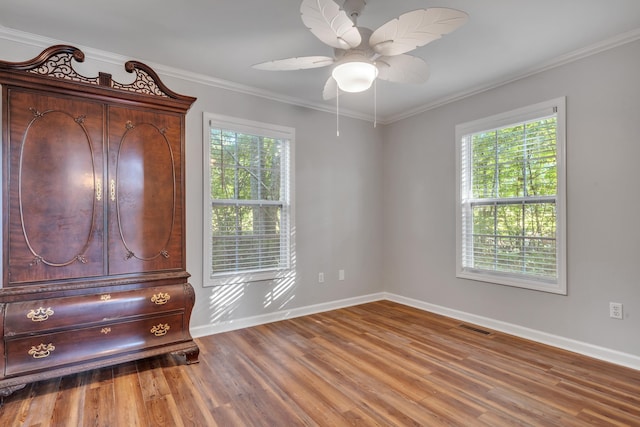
(532, 112)
(251, 127)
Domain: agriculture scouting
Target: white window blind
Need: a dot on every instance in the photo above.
(511, 198)
(248, 218)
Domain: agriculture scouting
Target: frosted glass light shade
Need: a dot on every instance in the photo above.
(355, 76)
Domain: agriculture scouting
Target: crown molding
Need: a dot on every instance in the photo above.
(613, 42)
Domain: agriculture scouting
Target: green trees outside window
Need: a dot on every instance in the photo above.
(512, 198)
(248, 201)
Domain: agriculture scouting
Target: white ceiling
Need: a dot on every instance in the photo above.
(221, 39)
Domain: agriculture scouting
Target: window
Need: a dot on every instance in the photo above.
(248, 209)
(511, 198)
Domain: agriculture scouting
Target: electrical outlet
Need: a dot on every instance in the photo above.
(340, 274)
(321, 277)
(615, 310)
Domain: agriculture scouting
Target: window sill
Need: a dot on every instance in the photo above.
(514, 281)
(245, 277)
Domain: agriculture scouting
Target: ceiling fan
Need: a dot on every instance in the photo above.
(361, 55)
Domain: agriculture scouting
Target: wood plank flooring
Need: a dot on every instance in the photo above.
(376, 364)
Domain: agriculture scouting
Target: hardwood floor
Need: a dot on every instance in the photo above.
(377, 364)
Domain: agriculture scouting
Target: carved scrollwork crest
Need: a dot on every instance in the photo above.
(56, 62)
(60, 66)
(144, 83)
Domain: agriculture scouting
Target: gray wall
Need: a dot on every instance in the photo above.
(603, 203)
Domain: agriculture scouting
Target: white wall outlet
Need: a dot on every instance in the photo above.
(615, 310)
(340, 274)
(320, 277)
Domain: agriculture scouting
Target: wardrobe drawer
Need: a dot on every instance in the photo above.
(48, 314)
(61, 348)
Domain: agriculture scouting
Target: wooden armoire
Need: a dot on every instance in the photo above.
(93, 219)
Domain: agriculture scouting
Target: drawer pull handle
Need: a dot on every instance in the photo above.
(41, 351)
(160, 329)
(40, 315)
(105, 331)
(105, 297)
(160, 298)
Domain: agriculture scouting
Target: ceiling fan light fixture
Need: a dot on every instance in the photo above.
(358, 51)
(355, 76)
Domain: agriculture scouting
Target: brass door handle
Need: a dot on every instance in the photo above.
(98, 189)
(112, 190)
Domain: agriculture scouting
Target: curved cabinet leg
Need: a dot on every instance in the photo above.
(6, 391)
(190, 354)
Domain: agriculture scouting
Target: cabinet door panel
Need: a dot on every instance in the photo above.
(145, 215)
(56, 206)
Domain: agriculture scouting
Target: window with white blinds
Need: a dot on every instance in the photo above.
(511, 198)
(248, 209)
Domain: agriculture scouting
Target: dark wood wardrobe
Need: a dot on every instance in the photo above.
(93, 219)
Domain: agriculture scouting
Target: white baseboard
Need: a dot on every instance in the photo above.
(200, 331)
(597, 352)
(586, 349)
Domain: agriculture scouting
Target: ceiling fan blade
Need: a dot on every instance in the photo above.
(330, 24)
(330, 90)
(415, 29)
(402, 69)
(298, 63)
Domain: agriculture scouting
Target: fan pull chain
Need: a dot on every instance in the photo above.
(375, 102)
(337, 111)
